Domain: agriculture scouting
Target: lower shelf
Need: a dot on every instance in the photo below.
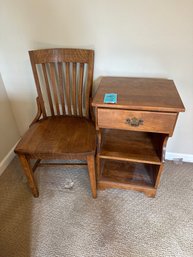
(128, 175)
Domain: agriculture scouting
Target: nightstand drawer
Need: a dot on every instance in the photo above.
(161, 122)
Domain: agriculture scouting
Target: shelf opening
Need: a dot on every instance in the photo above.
(139, 174)
(133, 146)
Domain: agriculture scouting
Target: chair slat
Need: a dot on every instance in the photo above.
(68, 101)
(80, 88)
(33, 63)
(48, 88)
(87, 95)
(74, 70)
(54, 87)
(61, 87)
(68, 75)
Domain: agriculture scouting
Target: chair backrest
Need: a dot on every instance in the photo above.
(63, 80)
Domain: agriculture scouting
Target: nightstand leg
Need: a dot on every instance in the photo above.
(150, 194)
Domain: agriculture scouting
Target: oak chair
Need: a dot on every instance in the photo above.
(62, 128)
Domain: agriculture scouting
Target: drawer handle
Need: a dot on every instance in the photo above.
(134, 122)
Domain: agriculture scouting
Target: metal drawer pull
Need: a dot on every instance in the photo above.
(134, 122)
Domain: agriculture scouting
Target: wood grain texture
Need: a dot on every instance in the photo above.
(125, 175)
(132, 134)
(48, 88)
(68, 96)
(80, 88)
(58, 137)
(148, 94)
(61, 87)
(92, 175)
(130, 146)
(62, 128)
(54, 87)
(38, 87)
(74, 91)
(132, 173)
(24, 160)
(61, 55)
(39, 112)
(160, 122)
(62, 80)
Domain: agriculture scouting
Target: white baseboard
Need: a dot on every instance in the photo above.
(6, 161)
(186, 157)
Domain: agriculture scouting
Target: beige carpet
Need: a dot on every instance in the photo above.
(69, 223)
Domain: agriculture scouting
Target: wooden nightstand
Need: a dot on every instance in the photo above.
(132, 134)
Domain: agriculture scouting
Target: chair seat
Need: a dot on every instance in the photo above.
(59, 136)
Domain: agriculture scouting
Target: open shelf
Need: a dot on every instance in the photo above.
(129, 172)
(140, 147)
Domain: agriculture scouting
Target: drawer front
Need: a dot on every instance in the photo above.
(161, 122)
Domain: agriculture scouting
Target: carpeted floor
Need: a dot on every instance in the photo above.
(69, 223)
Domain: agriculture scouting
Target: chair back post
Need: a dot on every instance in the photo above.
(41, 101)
(90, 82)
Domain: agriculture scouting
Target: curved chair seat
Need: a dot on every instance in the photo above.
(63, 127)
(62, 136)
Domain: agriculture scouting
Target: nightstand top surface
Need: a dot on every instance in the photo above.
(150, 94)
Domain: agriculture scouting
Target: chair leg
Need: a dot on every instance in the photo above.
(91, 171)
(29, 174)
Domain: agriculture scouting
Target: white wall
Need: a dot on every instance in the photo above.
(130, 37)
(9, 133)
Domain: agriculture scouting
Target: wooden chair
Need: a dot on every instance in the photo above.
(62, 128)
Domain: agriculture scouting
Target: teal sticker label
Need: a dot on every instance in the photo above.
(110, 98)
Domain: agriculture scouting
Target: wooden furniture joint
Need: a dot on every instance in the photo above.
(63, 128)
(133, 133)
